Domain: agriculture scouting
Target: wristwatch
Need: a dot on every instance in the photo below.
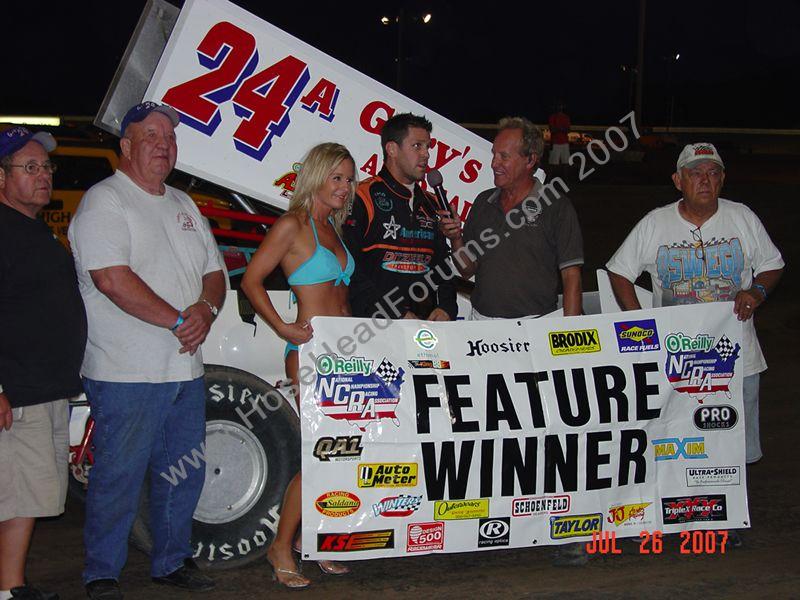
(214, 310)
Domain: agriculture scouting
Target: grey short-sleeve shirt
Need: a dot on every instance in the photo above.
(523, 252)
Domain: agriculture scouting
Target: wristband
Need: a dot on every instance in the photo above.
(1, 389)
(178, 323)
(761, 289)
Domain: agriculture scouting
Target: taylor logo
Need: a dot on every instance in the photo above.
(349, 389)
(453, 510)
(637, 336)
(380, 539)
(675, 448)
(698, 367)
(337, 504)
(575, 526)
(397, 506)
(525, 507)
(387, 475)
(425, 537)
(694, 508)
(627, 514)
(186, 221)
(425, 339)
(703, 476)
(581, 341)
(342, 447)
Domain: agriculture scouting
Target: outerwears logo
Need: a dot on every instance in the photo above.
(694, 508)
(348, 389)
(698, 367)
(637, 336)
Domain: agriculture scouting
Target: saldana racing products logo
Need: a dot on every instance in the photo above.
(698, 367)
(337, 504)
(350, 389)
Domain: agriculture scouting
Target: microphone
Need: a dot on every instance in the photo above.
(435, 180)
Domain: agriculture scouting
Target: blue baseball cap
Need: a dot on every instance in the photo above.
(15, 138)
(140, 112)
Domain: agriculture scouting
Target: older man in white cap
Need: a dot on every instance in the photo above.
(704, 248)
(151, 277)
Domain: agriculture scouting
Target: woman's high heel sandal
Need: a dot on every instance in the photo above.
(329, 567)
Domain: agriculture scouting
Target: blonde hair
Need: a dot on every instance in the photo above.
(320, 161)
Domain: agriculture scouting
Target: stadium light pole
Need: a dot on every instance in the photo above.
(400, 20)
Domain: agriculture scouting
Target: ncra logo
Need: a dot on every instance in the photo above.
(675, 448)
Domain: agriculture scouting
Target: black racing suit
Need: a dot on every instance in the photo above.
(395, 247)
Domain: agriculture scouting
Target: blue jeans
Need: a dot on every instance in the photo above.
(141, 429)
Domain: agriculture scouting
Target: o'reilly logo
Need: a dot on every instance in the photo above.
(715, 417)
(580, 341)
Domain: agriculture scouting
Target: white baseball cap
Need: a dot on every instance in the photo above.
(694, 153)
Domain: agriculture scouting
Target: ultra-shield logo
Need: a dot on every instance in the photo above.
(637, 336)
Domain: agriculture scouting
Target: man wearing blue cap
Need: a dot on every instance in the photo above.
(151, 276)
(39, 357)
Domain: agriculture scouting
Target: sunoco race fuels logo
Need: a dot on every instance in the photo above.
(637, 336)
(582, 341)
(494, 532)
(575, 526)
(387, 475)
(675, 448)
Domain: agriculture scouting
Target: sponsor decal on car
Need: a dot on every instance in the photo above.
(379, 539)
(454, 510)
(402, 505)
(353, 390)
(494, 532)
(703, 476)
(579, 341)
(372, 475)
(698, 367)
(341, 447)
(337, 504)
(540, 505)
(637, 336)
(570, 526)
(676, 448)
(710, 418)
(686, 509)
(425, 537)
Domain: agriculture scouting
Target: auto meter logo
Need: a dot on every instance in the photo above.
(425, 339)
(637, 336)
(687, 509)
(349, 389)
(698, 367)
(372, 475)
(379, 539)
(403, 505)
(575, 526)
(456, 510)
(337, 504)
(715, 418)
(341, 447)
(526, 507)
(676, 448)
(494, 532)
(582, 341)
(627, 514)
(425, 537)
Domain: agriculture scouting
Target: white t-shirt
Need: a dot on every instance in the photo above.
(168, 244)
(710, 265)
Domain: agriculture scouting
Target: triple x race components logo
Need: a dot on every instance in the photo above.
(698, 367)
(582, 341)
(349, 389)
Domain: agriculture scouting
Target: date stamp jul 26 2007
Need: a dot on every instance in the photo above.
(691, 542)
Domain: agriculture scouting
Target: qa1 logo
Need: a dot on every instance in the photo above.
(494, 532)
(425, 339)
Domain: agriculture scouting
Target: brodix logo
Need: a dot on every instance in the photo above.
(581, 341)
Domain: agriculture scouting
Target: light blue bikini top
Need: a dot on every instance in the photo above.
(323, 265)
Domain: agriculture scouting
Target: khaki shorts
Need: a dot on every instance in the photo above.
(33, 461)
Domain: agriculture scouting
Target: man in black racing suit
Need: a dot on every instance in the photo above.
(402, 264)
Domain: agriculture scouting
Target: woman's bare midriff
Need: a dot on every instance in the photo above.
(321, 300)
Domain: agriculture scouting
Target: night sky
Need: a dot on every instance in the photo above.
(738, 67)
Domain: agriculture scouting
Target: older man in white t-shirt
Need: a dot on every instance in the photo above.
(704, 248)
(152, 280)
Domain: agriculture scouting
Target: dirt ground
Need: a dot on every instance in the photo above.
(608, 203)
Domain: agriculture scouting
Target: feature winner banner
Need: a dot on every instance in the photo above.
(449, 437)
(253, 100)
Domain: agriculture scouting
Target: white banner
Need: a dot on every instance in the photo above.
(451, 437)
(253, 100)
